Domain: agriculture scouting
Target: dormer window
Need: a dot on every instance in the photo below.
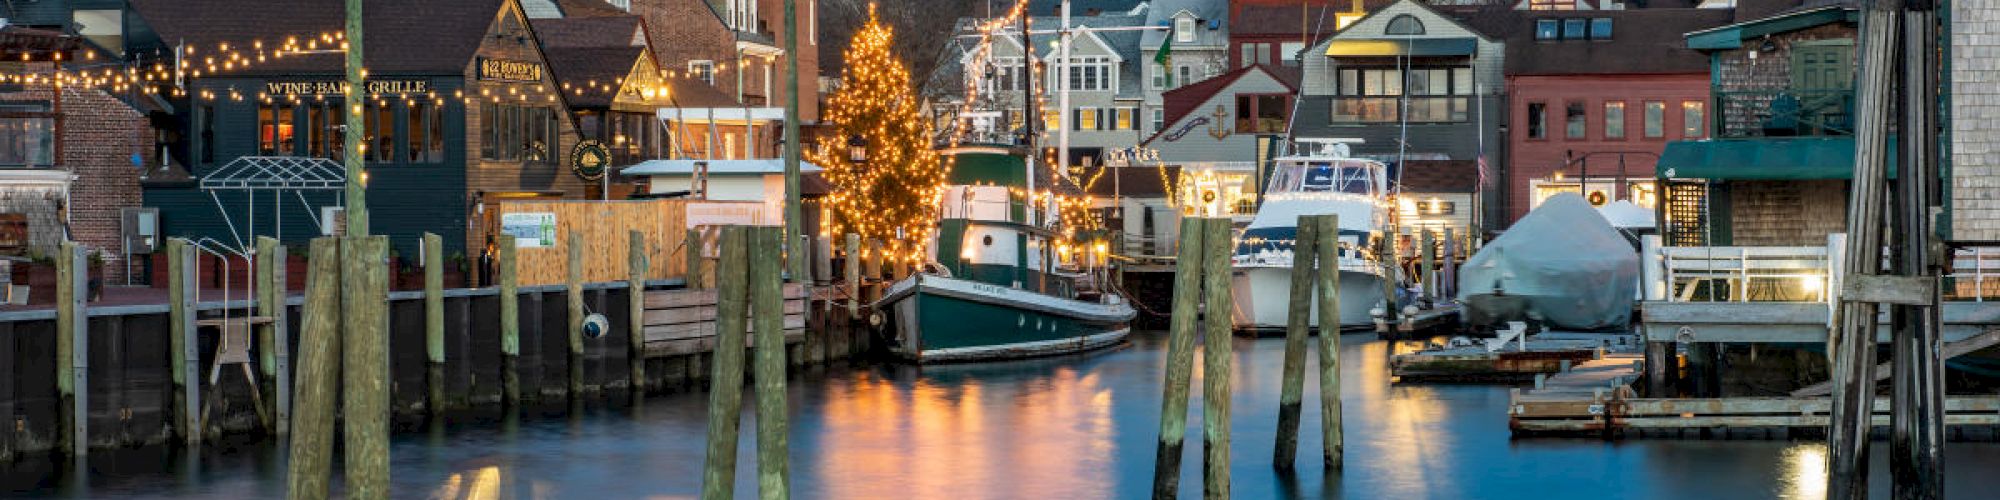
(1184, 30)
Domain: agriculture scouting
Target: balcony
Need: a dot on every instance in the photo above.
(1785, 112)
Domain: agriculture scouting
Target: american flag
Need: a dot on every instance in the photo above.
(1481, 164)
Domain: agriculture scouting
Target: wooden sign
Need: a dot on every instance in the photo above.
(508, 70)
(336, 87)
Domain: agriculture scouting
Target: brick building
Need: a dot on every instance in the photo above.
(69, 167)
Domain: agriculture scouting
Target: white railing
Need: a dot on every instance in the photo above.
(1751, 274)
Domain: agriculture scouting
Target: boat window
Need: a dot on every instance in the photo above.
(1357, 178)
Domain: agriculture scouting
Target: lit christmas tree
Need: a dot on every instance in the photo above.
(885, 174)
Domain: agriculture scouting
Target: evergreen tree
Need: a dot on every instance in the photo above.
(892, 195)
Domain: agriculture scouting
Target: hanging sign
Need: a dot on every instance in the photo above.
(508, 70)
(588, 159)
(530, 229)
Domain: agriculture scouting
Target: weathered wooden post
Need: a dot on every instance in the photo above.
(871, 267)
(1392, 265)
(364, 398)
(1216, 357)
(725, 383)
(1429, 271)
(1297, 321)
(574, 292)
(853, 276)
(635, 310)
(275, 357)
(434, 323)
(182, 342)
(1188, 265)
(73, 347)
(768, 309)
(1326, 233)
(311, 465)
(822, 259)
(510, 324)
(1448, 264)
(692, 245)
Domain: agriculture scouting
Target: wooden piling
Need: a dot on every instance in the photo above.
(768, 308)
(635, 310)
(853, 276)
(1188, 266)
(822, 259)
(1661, 363)
(1297, 321)
(1216, 358)
(574, 293)
(871, 267)
(1392, 265)
(510, 325)
(1327, 248)
(275, 357)
(1428, 273)
(311, 466)
(692, 246)
(725, 382)
(181, 342)
(434, 323)
(364, 397)
(72, 348)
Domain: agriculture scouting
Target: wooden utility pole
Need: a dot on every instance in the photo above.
(356, 98)
(796, 256)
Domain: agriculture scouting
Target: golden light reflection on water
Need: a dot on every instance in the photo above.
(1404, 438)
(1802, 472)
(933, 439)
(484, 484)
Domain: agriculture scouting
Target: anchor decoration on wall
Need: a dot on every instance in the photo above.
(1219, 128)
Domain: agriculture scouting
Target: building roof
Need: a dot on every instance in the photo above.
(1136, 182)
(949, 77)
(433, 36)
(602, 31)
(1643, 41)
(1213, 29)
(577, 65)
(1076, 7)
(1253, 19)
(1178, 102)
(588, 8)
(1440, 176)
(761, 166)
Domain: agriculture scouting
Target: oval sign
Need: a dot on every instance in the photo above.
(589, 159)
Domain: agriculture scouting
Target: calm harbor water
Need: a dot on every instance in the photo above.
(1072, 427)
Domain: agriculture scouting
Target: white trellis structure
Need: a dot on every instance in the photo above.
(276, 175)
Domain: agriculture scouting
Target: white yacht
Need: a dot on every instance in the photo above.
(1322, 180)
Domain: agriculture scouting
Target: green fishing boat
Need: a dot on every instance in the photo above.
(1002, 282)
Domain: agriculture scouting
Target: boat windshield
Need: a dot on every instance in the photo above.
(1357, 177)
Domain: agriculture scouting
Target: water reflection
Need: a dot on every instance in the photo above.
(1073, 427)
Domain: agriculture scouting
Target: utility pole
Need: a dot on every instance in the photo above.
(796, 257)
(356, 95)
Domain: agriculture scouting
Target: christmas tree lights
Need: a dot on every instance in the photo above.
(891, 193)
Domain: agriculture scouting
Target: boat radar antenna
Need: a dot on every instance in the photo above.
(1335, 147)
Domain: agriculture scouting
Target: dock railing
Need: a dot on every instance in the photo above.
(1743, 274)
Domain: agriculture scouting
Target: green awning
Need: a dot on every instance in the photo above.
(1766, 158)
(1390, 47)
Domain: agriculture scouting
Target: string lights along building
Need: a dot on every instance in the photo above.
(462, 112)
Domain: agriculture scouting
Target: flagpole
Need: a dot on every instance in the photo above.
(1479, 163)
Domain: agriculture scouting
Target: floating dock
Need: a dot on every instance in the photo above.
(1513, 361)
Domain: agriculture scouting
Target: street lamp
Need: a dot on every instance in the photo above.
(857, 149)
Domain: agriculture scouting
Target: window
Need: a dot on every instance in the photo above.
(1003, 76)
(1051, 120)
(1573, 29)
(1547, 29)
(1085, 119)
(489, 114)
(380, 143)
(1656, 119)
(104, 27)
(1290, 52)
(1088, 74)
(1614, 120)
(1184, 30)
(1538, 120)
(1600, 28)
(1159, 72)
(1254, 53)
(1434, 95)
(27, 136)
(703, 70)
(1159, 119)
(1262, 113)
(1123, 119)
(1551, 4)
(1575, 121)
(1186, 77)
(426, 132)
(324, 137)
(274, 130)
(518, 133)
(1404, 25)
(1692, 126)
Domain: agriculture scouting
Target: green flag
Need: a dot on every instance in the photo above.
(1166, 54)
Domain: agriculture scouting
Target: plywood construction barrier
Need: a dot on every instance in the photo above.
(542, 228)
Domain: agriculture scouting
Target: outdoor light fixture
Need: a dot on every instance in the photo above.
(857, 149)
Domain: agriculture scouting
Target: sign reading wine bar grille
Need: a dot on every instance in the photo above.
(507, 70)
(336, 87)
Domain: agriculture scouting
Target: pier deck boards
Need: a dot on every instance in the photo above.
(1510, 363)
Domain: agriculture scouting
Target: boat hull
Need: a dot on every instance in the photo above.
(1262, 296)
(944, 320)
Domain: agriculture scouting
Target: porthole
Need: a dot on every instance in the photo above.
(988, 240)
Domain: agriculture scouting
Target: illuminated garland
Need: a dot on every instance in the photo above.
(893, 197)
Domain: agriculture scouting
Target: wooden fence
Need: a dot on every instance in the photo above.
(605, 226)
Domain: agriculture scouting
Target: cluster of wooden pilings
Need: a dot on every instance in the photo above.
(1202, 305)
(85, 376)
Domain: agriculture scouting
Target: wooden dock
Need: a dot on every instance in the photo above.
(1511, 363)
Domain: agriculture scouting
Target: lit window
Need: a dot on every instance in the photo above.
(1692, 125)
(1086, 119)
(703, 70)
(1051, 120)
(1551, 4)
(30, 140)
(1124, 119)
